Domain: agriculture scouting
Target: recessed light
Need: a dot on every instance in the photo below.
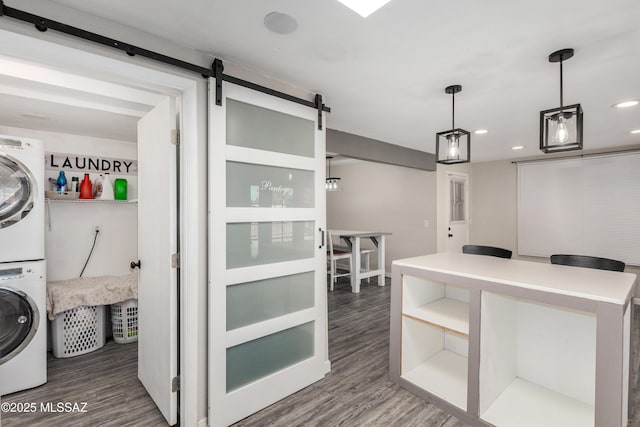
(280, 23)
(635, 131)
(480, 131)
(627, 104)
(364, 8)
(517, 147)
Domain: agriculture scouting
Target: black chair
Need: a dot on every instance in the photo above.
(486, 250)
(588, 262)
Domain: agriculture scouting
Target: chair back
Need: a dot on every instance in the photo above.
(588, 262)
(331, 247)
(486, 250)
(330, 242)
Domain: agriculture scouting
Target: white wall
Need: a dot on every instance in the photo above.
(381, 197)
(69, 227)
(493, 203)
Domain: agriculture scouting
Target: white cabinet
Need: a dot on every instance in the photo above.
(513, 343)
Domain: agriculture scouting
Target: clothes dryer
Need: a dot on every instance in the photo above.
(21, 199)
(23, 332)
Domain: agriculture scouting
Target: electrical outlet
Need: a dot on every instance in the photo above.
(97, 228)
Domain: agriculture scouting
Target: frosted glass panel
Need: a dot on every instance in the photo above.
(456, 195)
(257, 243)
(268, 186)
(253, 302)
(256, 127)
(256, 359)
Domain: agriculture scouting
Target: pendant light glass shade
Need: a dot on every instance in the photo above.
(561, 128)
(332, 183)
(454, 145)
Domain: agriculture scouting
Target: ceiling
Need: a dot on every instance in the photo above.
(384, 76)
(35, 97)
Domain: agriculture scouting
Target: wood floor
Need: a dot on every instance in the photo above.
(357, 391)
(106, 379)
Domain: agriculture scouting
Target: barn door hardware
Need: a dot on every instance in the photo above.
(216, 71)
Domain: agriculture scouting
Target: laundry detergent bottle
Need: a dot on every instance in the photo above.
(86, 192)
(107, 188)
(120, 189)
(61, 182)
(97, 187)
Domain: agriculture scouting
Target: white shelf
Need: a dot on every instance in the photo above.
(444, 375)
(113, 202)
(524, 404)
(449, 314)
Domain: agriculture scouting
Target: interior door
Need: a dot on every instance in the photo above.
(157, 242)
(458, 211)
(267, 259)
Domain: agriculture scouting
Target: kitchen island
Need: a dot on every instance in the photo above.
(513, 343)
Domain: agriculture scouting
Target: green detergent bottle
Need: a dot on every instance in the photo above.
(120, 189)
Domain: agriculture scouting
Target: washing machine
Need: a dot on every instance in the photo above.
(23, 327)
(21, 199)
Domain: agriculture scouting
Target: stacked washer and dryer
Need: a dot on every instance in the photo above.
(23, 286)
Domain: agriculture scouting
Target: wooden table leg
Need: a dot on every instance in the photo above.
(355, 272)
(381, 261)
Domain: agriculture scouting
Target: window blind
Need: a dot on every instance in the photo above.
(583, 206)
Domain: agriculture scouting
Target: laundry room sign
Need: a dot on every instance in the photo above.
(88, 164)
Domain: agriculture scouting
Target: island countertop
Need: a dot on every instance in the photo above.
(592, 284)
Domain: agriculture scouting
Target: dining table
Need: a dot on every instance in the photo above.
(353, 239)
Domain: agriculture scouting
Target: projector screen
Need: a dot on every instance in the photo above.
(582, 206)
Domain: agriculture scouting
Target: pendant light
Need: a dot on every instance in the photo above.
(454, 145)
(561, 128)
(331, 183)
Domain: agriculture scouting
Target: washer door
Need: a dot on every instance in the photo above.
(18, 322)
(17, 191)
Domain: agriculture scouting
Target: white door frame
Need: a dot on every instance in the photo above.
(85, 58)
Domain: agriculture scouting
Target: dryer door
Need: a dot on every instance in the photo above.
(17, 191)
(18, 322)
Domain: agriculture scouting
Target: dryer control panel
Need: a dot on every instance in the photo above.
(11, 273)
(27, 270)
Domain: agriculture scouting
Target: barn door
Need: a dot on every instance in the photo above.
(267, 306)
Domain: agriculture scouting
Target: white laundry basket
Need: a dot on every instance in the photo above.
(124, 321)
(78, 331)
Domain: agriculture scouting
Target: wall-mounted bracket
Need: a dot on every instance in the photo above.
(218, 69)
(41, 25)
(319, 107)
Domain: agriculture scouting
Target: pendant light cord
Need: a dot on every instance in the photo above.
(453, 109)
(561, 104)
